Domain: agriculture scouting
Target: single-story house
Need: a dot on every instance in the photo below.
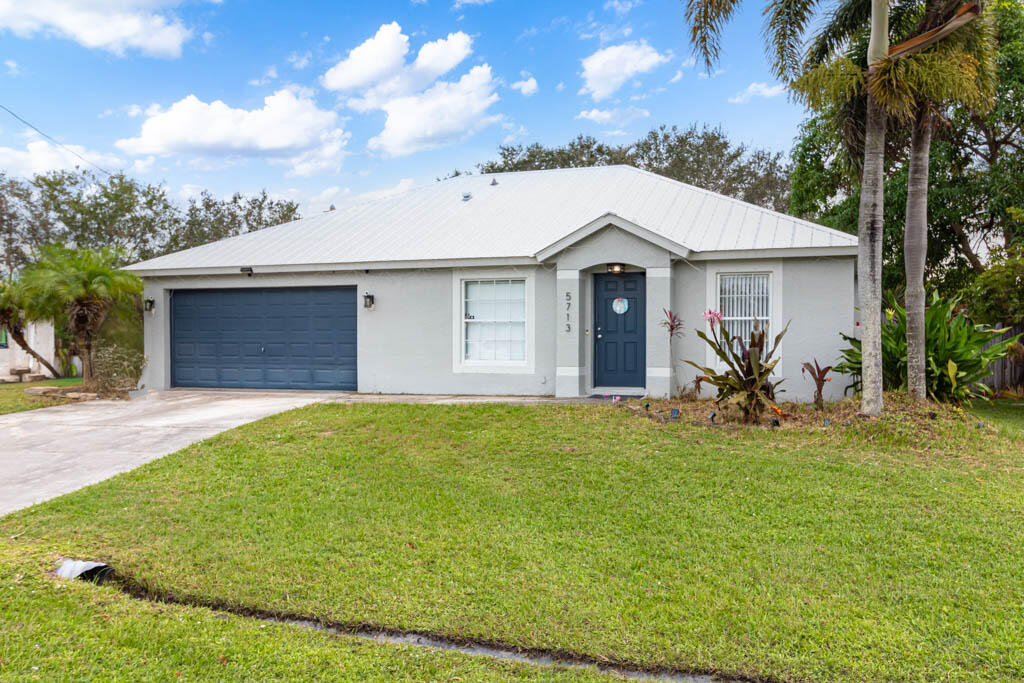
(39, 337)
(531, 283)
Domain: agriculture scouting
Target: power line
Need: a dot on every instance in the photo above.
(62, 146)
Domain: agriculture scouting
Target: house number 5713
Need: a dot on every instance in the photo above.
(568, 311)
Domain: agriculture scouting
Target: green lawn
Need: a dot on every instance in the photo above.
(1008, 413)
(14, 400)
(77, 631)
(880, 550)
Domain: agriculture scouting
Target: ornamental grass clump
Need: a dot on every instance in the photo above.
(745, 381)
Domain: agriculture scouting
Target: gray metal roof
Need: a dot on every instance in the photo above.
(520, 216)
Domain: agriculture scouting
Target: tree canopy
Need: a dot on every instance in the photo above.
(138, 220)
(700, 156)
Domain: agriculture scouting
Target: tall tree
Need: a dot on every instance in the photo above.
(704, 157)
(21, 223)
(207, 219)
(91, 212)
(785, 28)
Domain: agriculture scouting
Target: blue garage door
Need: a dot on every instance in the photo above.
(264, 338)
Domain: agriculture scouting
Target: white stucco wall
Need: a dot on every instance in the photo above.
(406, 344)
(39, 337)
(816, 299)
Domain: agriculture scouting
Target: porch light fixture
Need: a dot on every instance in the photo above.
(247, 270)
(616, 268)
(368, 301)
(148, 305)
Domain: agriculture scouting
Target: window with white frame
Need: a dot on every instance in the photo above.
(494, 321)
(744, 298)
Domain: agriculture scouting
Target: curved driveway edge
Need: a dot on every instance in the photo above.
(48, 452)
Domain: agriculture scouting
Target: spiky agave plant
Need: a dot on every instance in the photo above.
(82, 284)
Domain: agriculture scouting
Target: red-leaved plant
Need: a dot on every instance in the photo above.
(820, 376)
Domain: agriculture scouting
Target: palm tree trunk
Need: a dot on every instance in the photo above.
(84, 343)
(869, 258)
(870, 224)
(18, 335)
(915, 248)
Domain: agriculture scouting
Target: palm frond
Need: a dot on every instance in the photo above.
(706, 19)
(785, 24)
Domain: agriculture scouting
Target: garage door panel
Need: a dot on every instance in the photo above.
(294, 338)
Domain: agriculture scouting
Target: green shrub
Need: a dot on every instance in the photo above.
(958, 351)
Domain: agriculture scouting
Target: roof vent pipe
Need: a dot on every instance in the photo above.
(466, 196)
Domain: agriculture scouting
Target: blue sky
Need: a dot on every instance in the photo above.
(327, 102)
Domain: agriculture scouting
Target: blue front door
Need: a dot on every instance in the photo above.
(619, 330)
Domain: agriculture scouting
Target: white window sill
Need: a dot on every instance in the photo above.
(494, 368)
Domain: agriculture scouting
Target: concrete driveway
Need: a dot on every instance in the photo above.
(51, 451)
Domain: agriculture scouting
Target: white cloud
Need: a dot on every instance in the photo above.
(757, 90)
(112, 25)
(300, 61)
(189, 191)
(616, 133)
(40, 156)
(714, 74)
(689, 62)
(269, 75)
(605, 71)
(527, 86)
(619, 116)
(560, 87)
(422, 111)
(371, 61)
(12, 67)
(403, 185)
(289, 129)
(620, 7)
(396, 79)
(678, 77)
(459, 4)
(207, 38)
(445, 113)
(144, 165)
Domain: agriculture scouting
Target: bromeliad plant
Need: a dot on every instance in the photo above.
(745, 383)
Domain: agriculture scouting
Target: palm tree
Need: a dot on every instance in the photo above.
(905, 81)
(977, 93)
(83, 285)
(785, 28)
(13, 319)
(913, 86)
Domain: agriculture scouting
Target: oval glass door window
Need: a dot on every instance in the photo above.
(620, 305)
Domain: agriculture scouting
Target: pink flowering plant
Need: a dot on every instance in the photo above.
(745, 381)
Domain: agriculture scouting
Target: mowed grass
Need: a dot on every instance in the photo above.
(14, 400)
(1007, 413)
(71, 630)
(886, 549)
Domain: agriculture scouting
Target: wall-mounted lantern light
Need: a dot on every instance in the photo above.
(616, 268)
(247, 270)
(148, 305)
(368, 301)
